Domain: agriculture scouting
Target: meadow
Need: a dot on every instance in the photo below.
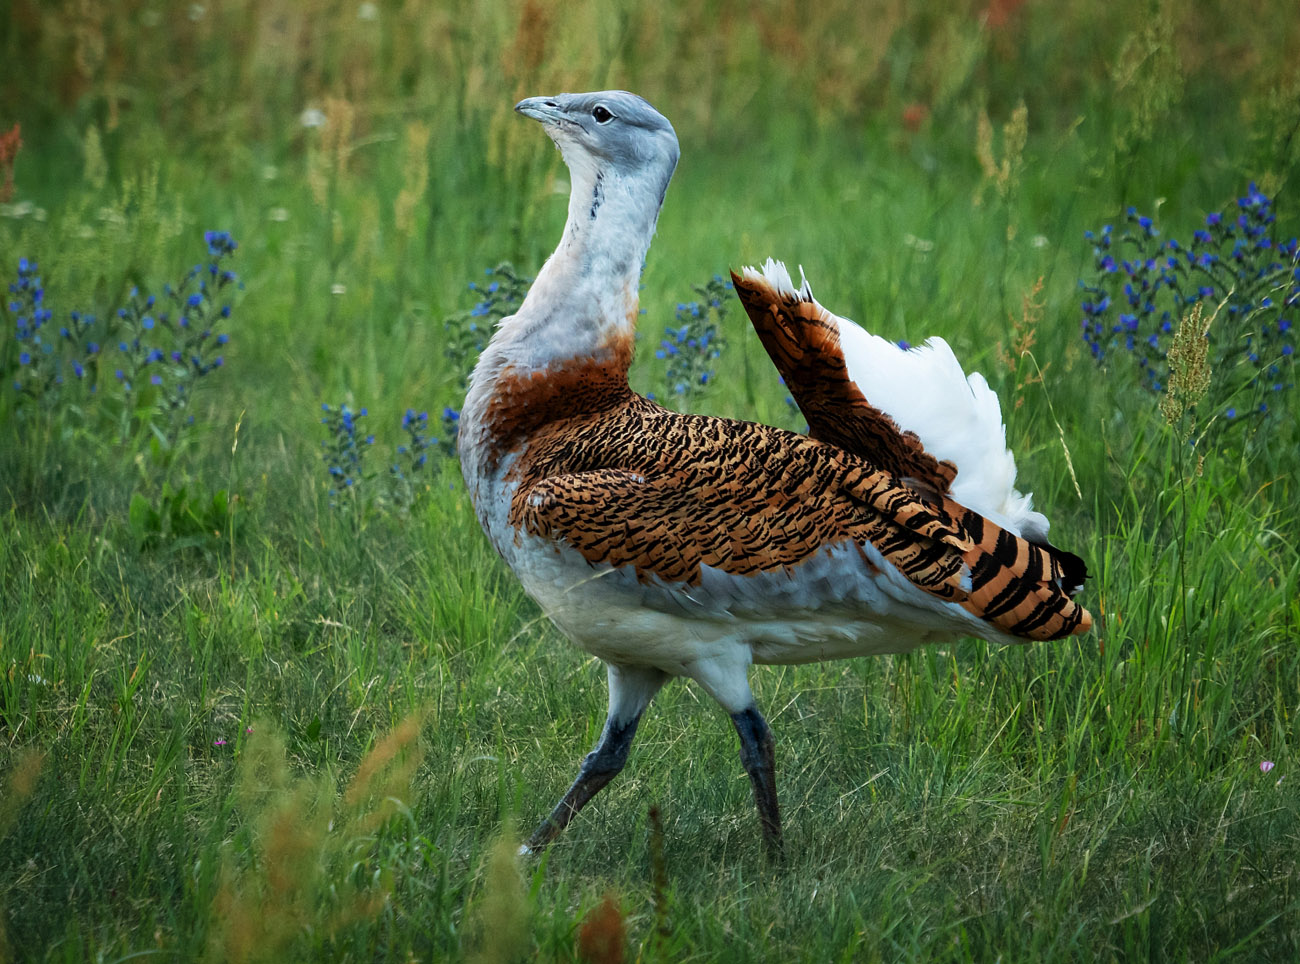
(267, 693)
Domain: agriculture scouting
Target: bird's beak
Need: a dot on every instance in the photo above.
(544, 109)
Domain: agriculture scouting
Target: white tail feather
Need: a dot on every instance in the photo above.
(925, 391)
(777, 276)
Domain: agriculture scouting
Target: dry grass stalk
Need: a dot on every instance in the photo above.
(1189, 370)
(10, 143)
(1148, 76)
(327, 160)
(415, 176)
(19, 784)
(94, 169)
(659, 874)
(298, 877)
(1024, 335)
(1004, 174)
(502, 914)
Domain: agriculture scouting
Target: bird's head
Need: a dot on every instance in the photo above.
(611, 132)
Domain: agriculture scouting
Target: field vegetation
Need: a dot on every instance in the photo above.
(266, 692)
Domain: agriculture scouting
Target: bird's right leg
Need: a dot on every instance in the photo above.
(631, 688)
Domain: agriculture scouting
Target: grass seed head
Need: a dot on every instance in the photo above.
(415, 176)
(1189, 369)
(602, 938)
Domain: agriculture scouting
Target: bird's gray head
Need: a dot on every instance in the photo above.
(610, 131)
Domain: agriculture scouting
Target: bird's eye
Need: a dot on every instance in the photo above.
(601, 114)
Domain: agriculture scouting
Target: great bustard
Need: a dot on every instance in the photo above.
(684, 545)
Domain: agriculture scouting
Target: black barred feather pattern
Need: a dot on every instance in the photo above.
(1021, 587)
(804, 344)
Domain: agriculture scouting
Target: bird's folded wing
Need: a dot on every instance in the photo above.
(754, 519)
(803, 342)
(750, 519)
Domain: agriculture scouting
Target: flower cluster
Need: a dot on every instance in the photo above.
(44, 359)
(409, 471)
(169, 344)
(468, 331)
(409, 468)
(1248, 281)
(691, 350)
(163, 346)
(450, 430)
(344, 452)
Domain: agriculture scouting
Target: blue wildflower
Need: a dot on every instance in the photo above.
(1233, 261)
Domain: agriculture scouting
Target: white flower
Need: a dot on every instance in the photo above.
(337, 289)
(19, 209)
(312, 117)
(368, 12)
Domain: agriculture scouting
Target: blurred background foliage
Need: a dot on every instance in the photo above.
(230, 75)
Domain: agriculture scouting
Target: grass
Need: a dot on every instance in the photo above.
(309, 735)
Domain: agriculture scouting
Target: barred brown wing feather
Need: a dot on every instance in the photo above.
(667, 494)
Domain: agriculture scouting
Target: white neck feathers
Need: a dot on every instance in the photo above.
(585, 296)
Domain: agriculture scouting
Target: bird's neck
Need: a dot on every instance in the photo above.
(576, 326)
(584, 302)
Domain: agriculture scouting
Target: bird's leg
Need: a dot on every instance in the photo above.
(630, 690)
(599, 767)
(725, 675)
(758, 755)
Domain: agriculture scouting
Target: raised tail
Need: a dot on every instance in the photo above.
(913, 412)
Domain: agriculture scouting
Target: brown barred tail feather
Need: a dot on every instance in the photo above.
(1023, 588)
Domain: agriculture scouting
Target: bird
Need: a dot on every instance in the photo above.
(683, 545)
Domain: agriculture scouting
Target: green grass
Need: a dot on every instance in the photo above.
(1098, 798)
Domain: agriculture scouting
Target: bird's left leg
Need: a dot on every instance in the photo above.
(631, 688)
